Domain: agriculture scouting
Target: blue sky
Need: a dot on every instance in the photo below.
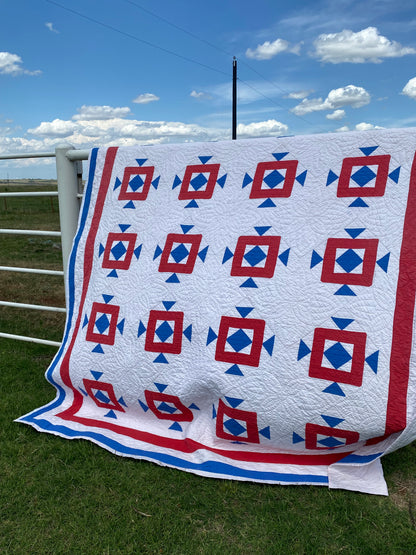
(124, 72)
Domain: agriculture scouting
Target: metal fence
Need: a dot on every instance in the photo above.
(69, 178)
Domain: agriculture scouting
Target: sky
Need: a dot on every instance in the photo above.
(124, 72)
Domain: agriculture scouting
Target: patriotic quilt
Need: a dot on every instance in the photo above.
(245, 309)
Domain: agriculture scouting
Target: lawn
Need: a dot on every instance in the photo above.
(61, 496)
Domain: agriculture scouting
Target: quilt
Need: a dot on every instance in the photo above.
(245, 309)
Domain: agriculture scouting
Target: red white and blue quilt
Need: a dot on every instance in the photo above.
(245, 309)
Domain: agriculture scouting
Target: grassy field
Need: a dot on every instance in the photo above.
(72, 497)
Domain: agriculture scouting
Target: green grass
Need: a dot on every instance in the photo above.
(72, 497)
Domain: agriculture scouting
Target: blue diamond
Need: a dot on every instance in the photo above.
(164, 407)
(102, 323)
(349, 260)
(234, 427)
(255, 256)
(118, 250)
(337, 355)
(273, 179)
(164, 331)
(239, 340)
(199, 181)
(331, 442)
(135, 183)
(363, 176)
(100, 396)
(179, 253)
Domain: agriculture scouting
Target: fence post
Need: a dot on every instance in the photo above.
(67, 176)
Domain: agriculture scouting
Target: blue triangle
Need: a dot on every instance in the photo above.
(120, 326)
(214, 412)
(221, 181)
(331, 177)
(395, 174)
(384, 262)
(101, 249)
(113, 273)
(192, 204)
(203, 254)
(188, 333)
(234, 370)
(249, 283)
(247, 180)
(261, 229)
(279, 155)
(301, 178)
(368, 150)
(268, 203)
(265, 432)
(342, 323)
(141, 161)
(137, 251)
(334, 389)
(296, 438)
(372, 361)
(244, 310)
(205, 159)
(97, 375)
(269, 345)
(173, 279)
(141, 329)
(98, 349)
(158, 252)
(284, 257)
(122, 402)
(124, 227)
(354, 232)
(227, 255)
(168, 304)
(144, 407)
(233, 401)
(130, 204)
(332, 420)
(85, 321)
(315, 259)
(303, 350)
(345, 290)
(176, 182)
(176, 426)
(359, 203)
(161, 386)
(186, 228)
(161, 359)
(193, 407)
(155, 182)
(108, 298)
(117, 184)
(111, 414)
(212, 336)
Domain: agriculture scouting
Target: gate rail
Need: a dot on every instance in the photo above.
(69, 179)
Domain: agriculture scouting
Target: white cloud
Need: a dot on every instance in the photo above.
(364, 46)
(269, 128)
(145, 98)
(101, 113)
(342, 129)
(11, 64)
(366, 126)
(410, 88)
(353, 96)
(336, 115)
(55, 128)
(51, 28)
(269, 50)
(299, 95)
(200, 95)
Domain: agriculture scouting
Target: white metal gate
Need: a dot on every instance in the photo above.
(69, 178)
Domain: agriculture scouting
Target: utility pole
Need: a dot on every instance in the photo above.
(234, 124)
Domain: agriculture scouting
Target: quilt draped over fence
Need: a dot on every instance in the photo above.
(245, 309)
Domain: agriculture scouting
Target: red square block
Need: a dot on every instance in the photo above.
(266, 267)
(173, 342)
(129, 174)
(105, 316)
(123, 262)
(333, 252)
(288, 167)
(251, 358)
(348, 188)
(173, 241)
(251, 433)
(187, 192)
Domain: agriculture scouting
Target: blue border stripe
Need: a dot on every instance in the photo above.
(361, 459)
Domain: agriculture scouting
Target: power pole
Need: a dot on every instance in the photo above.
(234, 124)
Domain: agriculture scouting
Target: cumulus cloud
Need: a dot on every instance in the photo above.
(366, 126)
(269, 128)
(357, 48)
(55, 128)
(353, 96)
(410, 88)
(269, 50)
(145, 98)
(299, 95)
(51, 27)
(336, 115)
(200, 95)
(11, 64)
(100, 113)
